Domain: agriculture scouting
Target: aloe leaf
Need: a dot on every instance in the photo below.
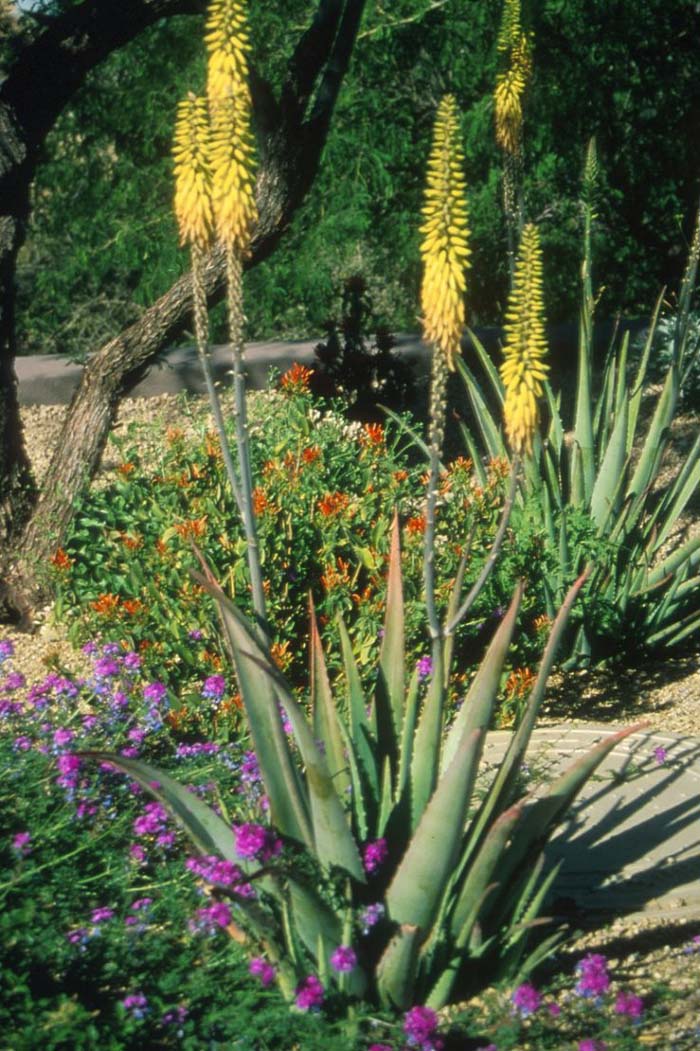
(386, 804)
(486, 422)
(673, 634)
(317, 925)
(638, 385)
(392, 672)
(543, 814)
(409, 725)
(329, 833)
(475, 455)
(499, 795)
(325, 716)
(672, 564)
(655, 441)
(555, 435)
(288, 802)
(362, 797)
(415, 891)
(477, 707)
(488, 366)
(396, 970)
(362, 726)
(480, 873)
(209, 833)
(607, 483)
(426, 746)
(583, 466)
(674, 503)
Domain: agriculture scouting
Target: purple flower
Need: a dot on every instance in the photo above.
(693, 945)
(136, 1004)
(425, 667)
(78, 936)
(176, 1015)
(592, 1045)
(374, 854)
(309, 993)
(132, 661)
(106, 668)
(526, 1000)
(101, 915)
(137, 853)
(14, 681)
(419, 1025)
(487, 1047)
(660, 754)
(627, 1004)
(380, 1047)
(344, 959)
(63, 737)
(594, 980)
(7, 649)
(196, 634)
(22, 743)
(140, 903)
(214, 687)
(256, 841)
(216, 915)
(371, 915)
(155, 692)
(21, 844)
(262, 970)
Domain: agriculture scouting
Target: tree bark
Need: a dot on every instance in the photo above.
(292, 134)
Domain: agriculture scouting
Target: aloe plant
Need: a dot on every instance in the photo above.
(604, 465)
(393, 768)
(378, 799)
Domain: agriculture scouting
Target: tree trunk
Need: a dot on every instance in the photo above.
(291, 143)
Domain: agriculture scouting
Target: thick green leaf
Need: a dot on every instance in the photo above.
(425, 761)
(318, 926)
(481, 873)
(325, 715)
(608, 481)
(329, 833)
(477, 707)
(414, 893)
(396, 970)
(392, 670)
(583, 466)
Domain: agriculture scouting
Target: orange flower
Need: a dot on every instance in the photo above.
(542, 623)
(400, 476)
(373, 434)
(125, 469)
(260, 501)
(333, 504)
(519, 683)
(174, 434)
(60, 560)
(212, 658)
(296, 379)
(195, 528)
(132, 606)
(311, 454)
(279, 651)
(130, 542)
(212, 446)
(333, 577)
(416, 525)
(161, 547)
(499, 466)
(106, 604)
(462, 463)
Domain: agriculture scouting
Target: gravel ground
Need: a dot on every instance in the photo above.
(644, 951)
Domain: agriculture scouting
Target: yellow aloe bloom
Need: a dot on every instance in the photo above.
(445, 247)
(193, 202)
(510, 25)
(227, 42)
(233, 153)
(510, 87)
(233, 168)
(524, 369)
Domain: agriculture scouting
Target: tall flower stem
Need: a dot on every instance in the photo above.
(201, 331)
(438, 402)
(234, 278)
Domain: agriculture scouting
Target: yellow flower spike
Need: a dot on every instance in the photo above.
(193, 202)
(510, 87)
(226, 39)
(233, 153)
(509, 30)
(524, 369)
(445, 246)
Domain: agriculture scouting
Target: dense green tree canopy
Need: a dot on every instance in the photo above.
(103, 244)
